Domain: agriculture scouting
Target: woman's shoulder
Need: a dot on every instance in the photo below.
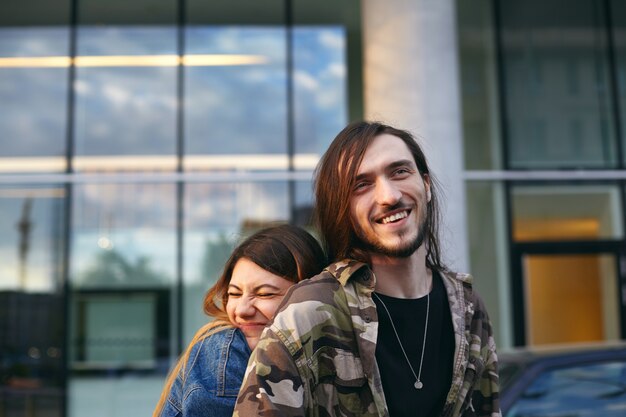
(219, 345)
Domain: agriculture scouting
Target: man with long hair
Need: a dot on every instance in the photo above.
(387, 329)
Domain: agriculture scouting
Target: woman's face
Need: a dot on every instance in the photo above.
(253, 297)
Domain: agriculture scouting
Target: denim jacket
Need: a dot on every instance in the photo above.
(212, 377)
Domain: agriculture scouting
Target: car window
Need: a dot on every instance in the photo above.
(507, 372)
(577, 391)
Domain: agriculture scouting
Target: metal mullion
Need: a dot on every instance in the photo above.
(614, 83)
(501, 83)
(291, 185)
(69, 193)
(180, 184)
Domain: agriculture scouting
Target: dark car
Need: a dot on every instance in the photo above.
(573, 381)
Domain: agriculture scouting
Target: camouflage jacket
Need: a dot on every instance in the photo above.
(317, 358)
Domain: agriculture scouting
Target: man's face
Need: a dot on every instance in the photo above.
(388, 204)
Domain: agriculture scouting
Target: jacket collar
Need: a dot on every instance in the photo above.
(345, 270)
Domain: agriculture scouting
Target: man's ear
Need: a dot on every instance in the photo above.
(426, 180)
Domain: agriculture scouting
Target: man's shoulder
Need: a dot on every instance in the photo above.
(461, 277)
(314, 306)
(324, 286)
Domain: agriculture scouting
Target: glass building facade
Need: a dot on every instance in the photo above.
(544, 90)
(138, 143)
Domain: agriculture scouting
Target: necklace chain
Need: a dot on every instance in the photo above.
(418, 383)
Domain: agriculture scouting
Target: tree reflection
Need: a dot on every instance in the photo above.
(111, 267)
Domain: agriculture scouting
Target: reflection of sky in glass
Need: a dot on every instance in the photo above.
(319, 85)
(42, 261)
(132, 220)
(236, 109)
(126, 110)
(34, 41)
(243, 110)
(33, 116)
(220, 211)
(126, 40)
(239, 109)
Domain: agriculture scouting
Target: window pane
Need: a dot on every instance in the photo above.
(31, 299)
(125, 103)
(586, 289)
(488, 246)
(558, 107)
(325, 35)
(33, 91)
(618, 17)
(122, 310)
(319, 77)
(123, 236)
(566, 212)
(479, 93)
(217, 216)
(236, 107)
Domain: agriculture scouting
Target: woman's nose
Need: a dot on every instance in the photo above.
(245, 307)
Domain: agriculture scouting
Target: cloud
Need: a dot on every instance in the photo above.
(305, 80)
(332, 38)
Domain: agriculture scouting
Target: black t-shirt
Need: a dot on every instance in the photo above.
(409, 317)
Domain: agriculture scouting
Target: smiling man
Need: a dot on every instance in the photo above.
(387, 329)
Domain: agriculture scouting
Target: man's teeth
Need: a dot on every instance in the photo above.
(395, 217)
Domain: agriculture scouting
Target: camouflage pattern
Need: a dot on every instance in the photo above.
(317, 358)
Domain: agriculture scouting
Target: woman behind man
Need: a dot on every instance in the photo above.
(207, 377)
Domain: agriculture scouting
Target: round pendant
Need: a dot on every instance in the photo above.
(418, 385)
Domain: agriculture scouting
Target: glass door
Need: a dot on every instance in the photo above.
(568, 292)
(570, 298)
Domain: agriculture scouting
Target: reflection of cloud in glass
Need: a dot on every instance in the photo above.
(125, 111)
(320, 86)
(33, 116)
(137, 219)
(34, 41)
(126, 40)
(236, 109)
(131, 111)
(214, 212)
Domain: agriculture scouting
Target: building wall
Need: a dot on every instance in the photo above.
(138, 143)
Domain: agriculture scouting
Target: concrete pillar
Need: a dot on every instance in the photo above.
(411, 78)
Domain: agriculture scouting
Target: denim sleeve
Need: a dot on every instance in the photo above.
(214, 373)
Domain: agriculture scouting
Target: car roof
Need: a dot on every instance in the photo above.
(548, 352)
(520, 366)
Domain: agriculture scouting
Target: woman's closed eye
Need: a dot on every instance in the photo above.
(268, 295)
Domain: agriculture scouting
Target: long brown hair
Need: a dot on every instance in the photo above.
(334, 180)
(284, 250)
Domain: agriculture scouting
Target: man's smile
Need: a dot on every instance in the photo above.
(395, 217)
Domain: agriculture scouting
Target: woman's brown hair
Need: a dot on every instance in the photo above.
(335, 176)
(284, 250)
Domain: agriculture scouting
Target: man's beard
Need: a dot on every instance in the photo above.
(375, 246)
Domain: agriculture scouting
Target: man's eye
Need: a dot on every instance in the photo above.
(360, 185)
